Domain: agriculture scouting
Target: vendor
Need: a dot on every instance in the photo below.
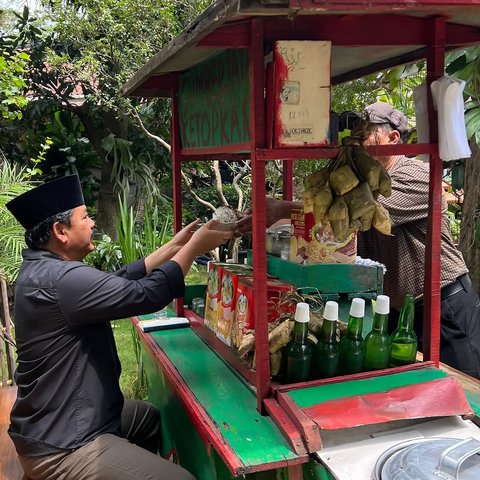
(70, 419)
(403, 253)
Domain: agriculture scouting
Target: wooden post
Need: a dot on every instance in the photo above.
(7, 335)
(431, 287)
(177, 175)
(257, 135)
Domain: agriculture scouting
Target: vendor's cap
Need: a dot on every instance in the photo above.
(381, 112)
(38, 204)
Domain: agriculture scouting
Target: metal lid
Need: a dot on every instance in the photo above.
(430, 459)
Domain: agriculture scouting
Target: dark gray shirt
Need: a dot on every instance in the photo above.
(68, 367)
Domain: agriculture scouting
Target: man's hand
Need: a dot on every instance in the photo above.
(185, 234)
(276, 210)
(203, 240)
(207, 237)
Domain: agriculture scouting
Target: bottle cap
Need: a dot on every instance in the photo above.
(382, 305)
(357, 308)
(330, 312)
(302, 312)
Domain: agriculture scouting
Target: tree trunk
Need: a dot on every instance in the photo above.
(107, 206)
(470, 215)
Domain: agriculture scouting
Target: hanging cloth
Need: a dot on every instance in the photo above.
(447, 93)
(421, 117)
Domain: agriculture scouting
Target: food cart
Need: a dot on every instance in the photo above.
(233, 99)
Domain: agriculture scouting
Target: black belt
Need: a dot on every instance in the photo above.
(462, 283)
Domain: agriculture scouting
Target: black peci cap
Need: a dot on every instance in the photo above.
(32, 207)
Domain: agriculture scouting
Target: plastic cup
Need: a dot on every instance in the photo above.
(330, 312)
(302, 312)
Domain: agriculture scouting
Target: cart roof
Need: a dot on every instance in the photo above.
(367, 36)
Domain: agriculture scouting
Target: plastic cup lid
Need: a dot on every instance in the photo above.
(330, 312)
(357, 308)
(382, 305)
(302, 313)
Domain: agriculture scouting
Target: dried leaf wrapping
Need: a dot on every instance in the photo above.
(275, 363)
(247, 344)
(279, 336)
(385, 184)
(360, 201)
(366, 221)
(317, 180)
(322, 202)
(338, 209)
(368, 168)
(308, 199)
(381, 220)
(340, 229)
(343, 180)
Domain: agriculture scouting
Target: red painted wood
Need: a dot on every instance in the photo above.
(286, 426)
(365, 30)
(225, 351)
(176, 174)
(235, 35)
(189, 156)
(431, 292)
(295, 472)
(287, 180)
(203, 424)
(384, 5)
(308, 428)
(355, 376)
(269, 100)
(257, 136)
(239, 149)
(302, 153)
(437, 398)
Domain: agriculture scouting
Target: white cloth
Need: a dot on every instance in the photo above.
(421, 117)
(447, 93)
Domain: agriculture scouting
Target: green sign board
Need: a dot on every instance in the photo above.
(214, 98)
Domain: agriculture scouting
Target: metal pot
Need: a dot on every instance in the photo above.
(430, 459)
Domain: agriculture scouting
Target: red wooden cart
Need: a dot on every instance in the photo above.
(223, 104)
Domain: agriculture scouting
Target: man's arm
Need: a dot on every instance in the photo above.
(276, 210)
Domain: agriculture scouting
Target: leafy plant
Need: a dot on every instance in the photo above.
(13, 182)
(125, 225)
(107, 255)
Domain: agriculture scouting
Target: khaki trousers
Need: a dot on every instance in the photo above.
(110, 457)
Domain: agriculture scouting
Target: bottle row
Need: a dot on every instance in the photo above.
(352, 354)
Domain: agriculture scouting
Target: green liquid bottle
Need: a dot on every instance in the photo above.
(377, 342)
(325, 355)
(352, 345)
(403, 343)
(299, 351)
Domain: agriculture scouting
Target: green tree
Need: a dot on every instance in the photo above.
(12, 84)
(82, 52)
(13, 182)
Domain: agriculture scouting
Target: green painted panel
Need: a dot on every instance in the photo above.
(179, 436)
(192, 291)
(328, 278)
(228, 401)
(214, 102)
(474, 400)
(306, 397)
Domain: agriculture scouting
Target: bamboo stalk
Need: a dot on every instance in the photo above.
(7, 326)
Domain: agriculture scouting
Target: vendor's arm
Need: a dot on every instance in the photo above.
(276, 210)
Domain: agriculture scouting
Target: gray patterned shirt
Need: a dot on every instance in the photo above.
(403, 253)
